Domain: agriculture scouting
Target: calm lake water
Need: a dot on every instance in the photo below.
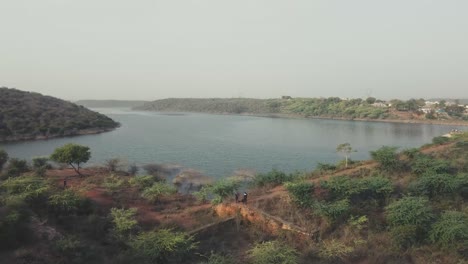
(218, 145)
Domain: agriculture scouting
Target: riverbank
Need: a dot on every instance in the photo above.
(46, 137)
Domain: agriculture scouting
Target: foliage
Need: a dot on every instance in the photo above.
(133, 169)
(142, 182)
(426, 164)
(301, 192)
(273, 252)
(67, 202)
(219, 190)
(358, 222)
(39, 162)
(158, 190)
(162, 246)
(404, 236)
(113, 183)
(113, 164)
(346, 150)
(71, 154)
(440, 140)
(334, 250)
(410, 211)
(325, 167)
(344, 187)
(3, 158)
(387, 157)
(26, 188)
(124, 222)
(16, 167)
(272, 178)
(332, 210)
(432, 184)
(27, 115)
(218, 259)
(452, 227)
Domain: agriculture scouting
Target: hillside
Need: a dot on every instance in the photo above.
(27, 115)
(110, 103)
(400, 207)
(333, 107)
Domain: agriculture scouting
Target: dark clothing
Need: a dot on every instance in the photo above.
(65, 183)
(237, 197)
(244, 199)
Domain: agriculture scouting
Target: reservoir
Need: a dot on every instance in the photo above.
(218, 145)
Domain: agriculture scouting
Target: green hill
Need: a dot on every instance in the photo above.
(27, 115)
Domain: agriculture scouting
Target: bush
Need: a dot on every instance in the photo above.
(325, 167)
(273, 252)
(451, 228)
(124, 222)
(436, 184)
(388, 158)
(218, 259)
(27, 188)
(410, 211)
(16, 167)
(405, 236)
(344, 187)
(334, 250)
(272, 178)
(219, 190)
(301, 193)
(440, 140)
(142, 182)
(68, 202)
(425, 164)
(158, 190)
(113, 184)
(333, 210)
(162, 246)
(40, 162)
(132, 169)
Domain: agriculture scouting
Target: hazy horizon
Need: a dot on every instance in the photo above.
(150, 49)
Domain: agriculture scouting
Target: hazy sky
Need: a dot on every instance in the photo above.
(150, 49)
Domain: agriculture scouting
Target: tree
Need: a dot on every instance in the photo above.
(3, 158)
(72, 154)
(273, 252)
(387, 157)
(346, 150)
(370, 100)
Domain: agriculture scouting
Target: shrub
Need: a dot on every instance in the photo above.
(162, 246)
(409, 211)
(332, 210)
(67, 202)
(273, 252)
(26, 188)
(133, 169)
(16, 167)
(301, 192)
(219, 190)
(157, 190)
(344, 187)
(113, 183)
(405, 236)
(425, 164)
(325, 167)
(142, 182)
(124, 222)
(334, 250)
(218, 259)
(452, 227)
(40, 162)
(113, 164)
(272, 178)
(436, 184)
(3, 158)
(440, 140)
(387, 157)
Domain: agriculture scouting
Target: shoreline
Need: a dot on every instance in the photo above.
(42, 137)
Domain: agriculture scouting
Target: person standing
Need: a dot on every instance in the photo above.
(237, 197)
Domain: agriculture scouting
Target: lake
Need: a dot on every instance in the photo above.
(218, 145)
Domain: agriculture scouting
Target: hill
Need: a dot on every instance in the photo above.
(333, 107)
(400, 207)
(27, 115)
(110, 103)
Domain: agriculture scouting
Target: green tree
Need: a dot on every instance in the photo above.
(345, 149)
(162, 246)
(452, 227)
(72, 154)
(370, 100)
(16, 167)
(158, 190)
(3, 158)
(124, 222)
(387, 157)
(273, 252)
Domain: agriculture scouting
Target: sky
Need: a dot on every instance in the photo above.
(153, 49)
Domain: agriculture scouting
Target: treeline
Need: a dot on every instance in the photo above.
(110, 103)
(27, 115)
(332, 107)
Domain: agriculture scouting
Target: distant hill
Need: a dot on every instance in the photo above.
(28, 115)
(461, 101)
(213, 105)
(110, 103)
